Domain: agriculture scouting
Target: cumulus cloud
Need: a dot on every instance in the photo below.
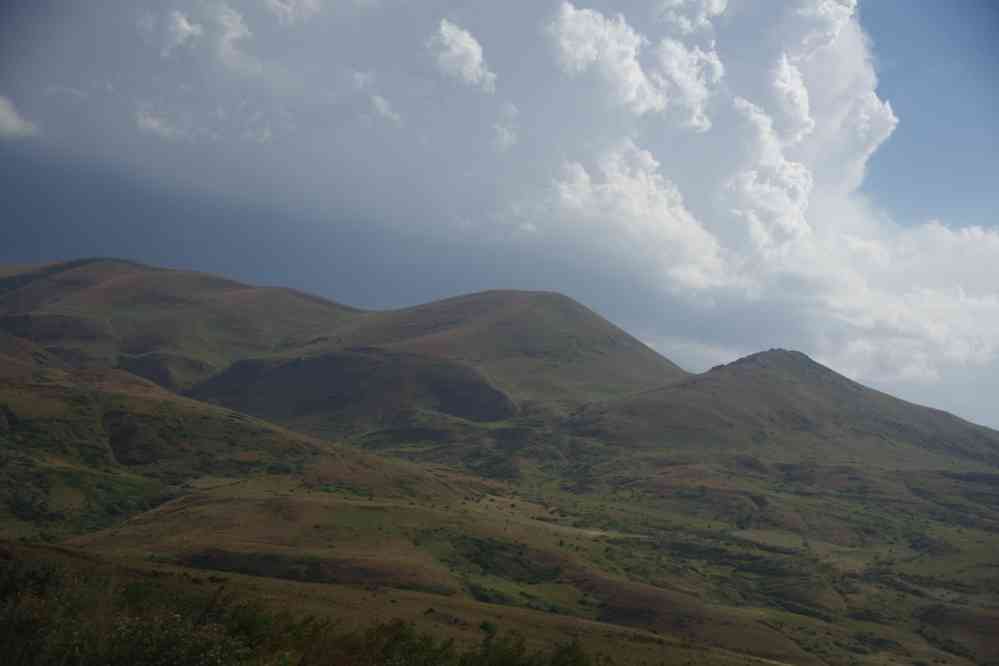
(12, 124)
(680, 75)
(624, 199)
(587, 40)
(689, 16)
(792, 100)
(771, 194)
(691, 75)
(818, 23)
(459, 56)
(179, 31)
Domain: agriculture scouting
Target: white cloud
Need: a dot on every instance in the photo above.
(290, 12)
(179, 31)
(851, 121)
(691, 74)
(12, 124)
(459, 56)
(771, 193)
(640, 217)
(383, 109)
(586, 39)
(817, 23)
(792, 101)
(690, 16)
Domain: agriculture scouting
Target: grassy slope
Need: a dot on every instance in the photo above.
(847, 582)
(86, 448)
(781, 406)
(473, 357)
(535, 345)
(355, 390)
(175, 327)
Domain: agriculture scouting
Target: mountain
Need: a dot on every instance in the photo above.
(174, 327)
(180, 329)
(781, 406)
(473, 357)
(537, 346)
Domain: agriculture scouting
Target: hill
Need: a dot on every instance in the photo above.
(781, 406)
(190, 331)
(174, 327)
(355, 390)
(83, 449)
(537, 346)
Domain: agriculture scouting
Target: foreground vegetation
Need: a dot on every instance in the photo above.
(52, 614)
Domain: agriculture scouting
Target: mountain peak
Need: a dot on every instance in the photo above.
(781, 367)
(781, 356)
(777, 359)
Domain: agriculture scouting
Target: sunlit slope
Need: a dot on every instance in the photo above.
(174, 327)
(782, 406)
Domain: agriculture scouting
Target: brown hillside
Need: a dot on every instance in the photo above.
(782, 406)
(535, 345)
(175, 327)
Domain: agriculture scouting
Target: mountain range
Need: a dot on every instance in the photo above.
(505, 456)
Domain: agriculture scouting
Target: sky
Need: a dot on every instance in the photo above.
(716, 176)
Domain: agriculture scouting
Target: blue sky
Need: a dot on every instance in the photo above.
(938, 63)
(718, 177)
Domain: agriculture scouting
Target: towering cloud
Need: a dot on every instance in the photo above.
(587, 40)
